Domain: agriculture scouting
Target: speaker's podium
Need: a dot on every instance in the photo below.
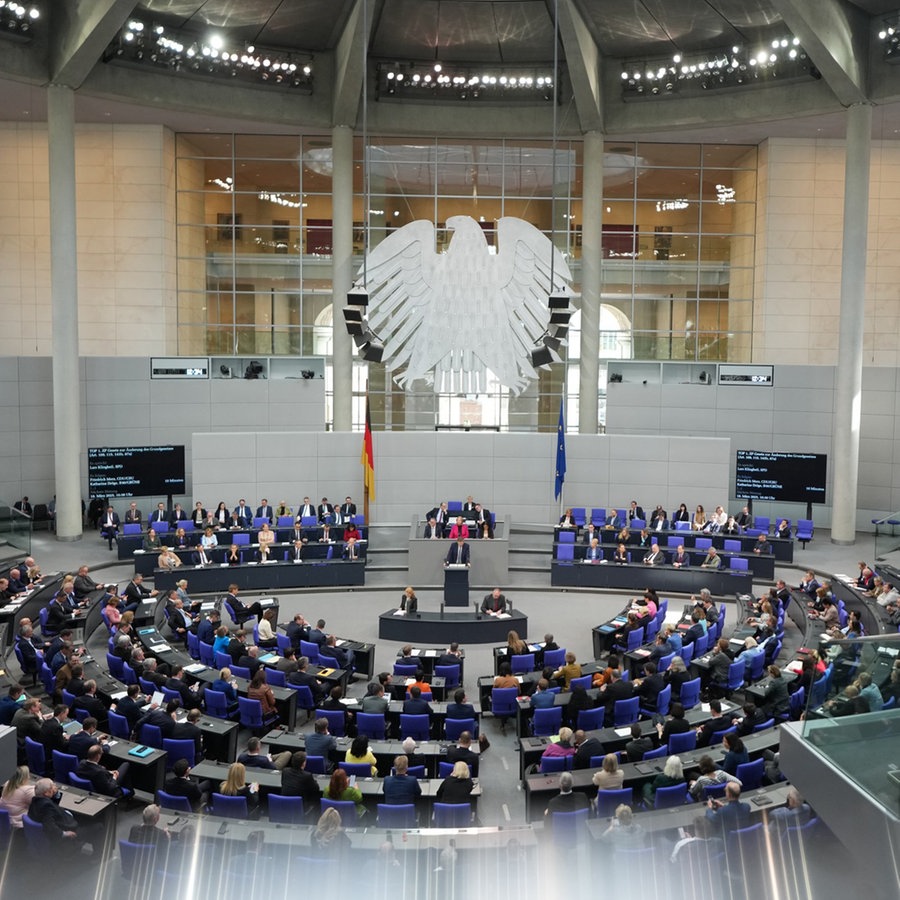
(456, 584)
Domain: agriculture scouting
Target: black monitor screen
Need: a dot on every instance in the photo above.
(135, 471)
(791, 477)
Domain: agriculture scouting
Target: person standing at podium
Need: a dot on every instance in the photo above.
(458, 554)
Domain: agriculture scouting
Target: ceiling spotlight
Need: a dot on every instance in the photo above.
(541, 356)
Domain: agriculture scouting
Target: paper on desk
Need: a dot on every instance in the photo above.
(623, 732)
(400, 612)
(339, 643)
(431, 653)
(348, 701)
(503, 616)
(161, 648)
(118, 695)
(195, 668)
(704, 707)
(158, 698)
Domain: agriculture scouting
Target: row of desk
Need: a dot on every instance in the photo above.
(761, 565)
(128, 544)
(782, 548)
(266, 576)
(145, 561)
(638, 577)
(540, 788)
(428, 753)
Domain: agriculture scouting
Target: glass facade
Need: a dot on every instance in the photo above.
(254, 223)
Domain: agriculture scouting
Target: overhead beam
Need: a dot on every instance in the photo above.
(584, 63)
(350, 63)
(836, 36)
(81, 32)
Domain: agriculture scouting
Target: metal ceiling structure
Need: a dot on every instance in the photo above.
(69, 43)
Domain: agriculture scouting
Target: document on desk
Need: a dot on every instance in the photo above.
(199, 667)
(158, 698)
(400, 612)
(623, 732)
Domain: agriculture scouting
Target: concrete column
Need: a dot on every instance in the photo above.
(591, 254)
(342, 271)
(845, 457)
(64, 301)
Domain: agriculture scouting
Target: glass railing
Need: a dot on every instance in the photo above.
(887, 535)
(15, 529)
(852, 717)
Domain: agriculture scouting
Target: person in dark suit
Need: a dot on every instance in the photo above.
(494, 603)
(585, 748)
(440, 515)
(639, 744)
(148, 832)
(317, 635)
(206, 628)
(131, 706)
(615, 689)
(347, 510)
(90, 703)
(433, 531)
(594, 552)
(680, 559)
(109, 525)
(160, 514)
(745, 520)
(655, 557)
(458, 553)
(351, 550)
(731, 813)
(177, 516)
(177, 684)
(343, 657)
(61, 828)
(696, 630)
(264, 511)
(133, 515)
(483, 518)
(82, 741)
(163, 719)
(250, 660)
(566, 800)
(23, 506)
(462, 752)
(189, 730)
(325, 512)
(180, 784)
(659, 515)
(459, 708)
(297, 782)
(452, 656)
(649, 686)
(306, 509)
(242, 611)
(635, 512)
(302, 677)
(53, 737)
(409, 602)
(416, 706)
(136, 592)
(716, 723)
(612, 520)
(103, 781)
(297, 630)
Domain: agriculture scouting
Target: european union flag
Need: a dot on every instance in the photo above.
(560, 451)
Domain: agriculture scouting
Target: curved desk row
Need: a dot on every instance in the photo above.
(443, 628)
(268, 576)
(145, 561)
(639, 577)
(781, 548)
(762, 565)
(129, 543)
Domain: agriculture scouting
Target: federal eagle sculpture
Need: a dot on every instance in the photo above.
(448, 317)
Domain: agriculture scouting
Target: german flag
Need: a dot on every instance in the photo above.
(367, 457)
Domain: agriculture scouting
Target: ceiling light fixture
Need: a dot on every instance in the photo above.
(166, 48)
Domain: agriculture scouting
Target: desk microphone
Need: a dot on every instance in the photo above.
(477, 609)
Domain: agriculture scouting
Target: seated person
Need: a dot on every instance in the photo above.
(409, 603)
(459, 529)
(152, 543)
(567, 520)
(621, 555)
(494, 603)
(709, 776)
